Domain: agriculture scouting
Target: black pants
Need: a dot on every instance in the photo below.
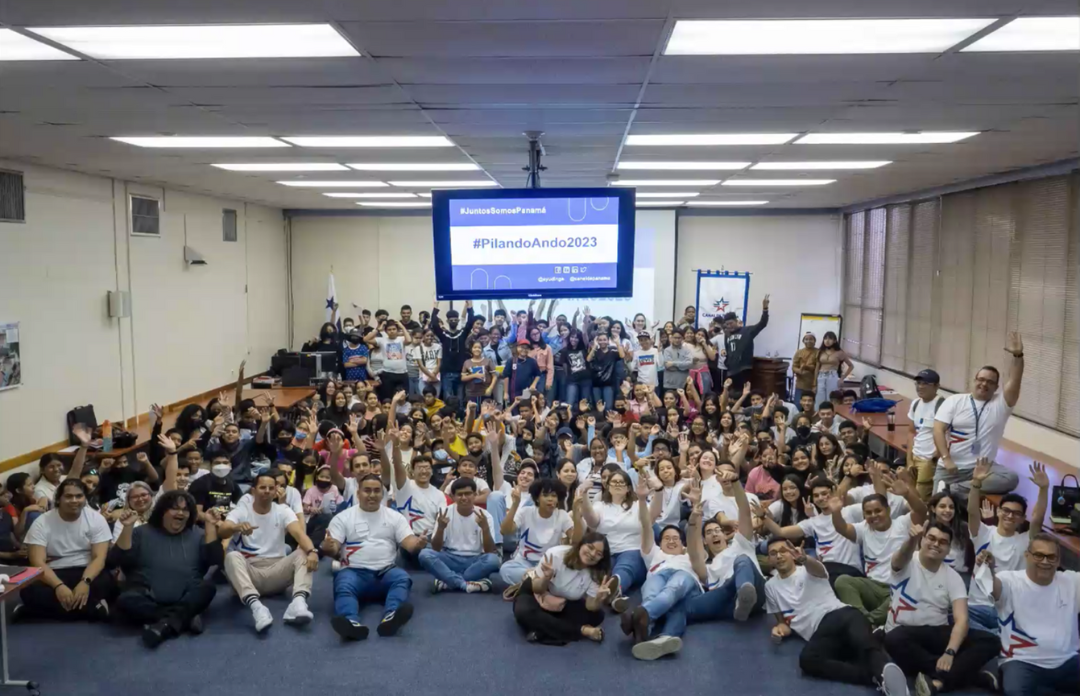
(917, 649)
(40, 599)
(553, 629)
(837, 570)
(843, 649)
(317, 525)
(737, 381)
(391, 383)
(138, 606)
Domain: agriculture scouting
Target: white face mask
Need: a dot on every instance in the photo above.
(221, 470)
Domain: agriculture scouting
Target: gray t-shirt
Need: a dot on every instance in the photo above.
(681, 359)
(393, 355)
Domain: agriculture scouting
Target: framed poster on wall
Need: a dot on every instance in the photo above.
(10, 365)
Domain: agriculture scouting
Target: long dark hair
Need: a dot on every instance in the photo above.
(572, 559)
(835, 345)
(959, 523)
(792, 514)
(184, 423)
(168, 501)
(631, 495)
(15, 483)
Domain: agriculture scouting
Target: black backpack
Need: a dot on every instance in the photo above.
(868, 388)
(84, 415)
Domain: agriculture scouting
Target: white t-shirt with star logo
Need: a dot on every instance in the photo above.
(921, 597)
(1038, 623)
(802, 599)
(537, 534)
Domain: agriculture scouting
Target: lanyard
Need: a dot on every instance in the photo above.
(978, 414)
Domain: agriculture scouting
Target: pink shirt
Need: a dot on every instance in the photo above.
(343, 460)
(761, 484)
(545, 362)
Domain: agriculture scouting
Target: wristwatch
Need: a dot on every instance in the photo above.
(88, 581)
(950, 652)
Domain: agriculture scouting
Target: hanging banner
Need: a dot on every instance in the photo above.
(720, 292)
(10, 366)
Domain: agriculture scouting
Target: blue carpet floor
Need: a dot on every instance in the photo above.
(455, 645)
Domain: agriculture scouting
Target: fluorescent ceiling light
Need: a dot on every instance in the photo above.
(660, 194)
(724, 203)
(15, 46)
(474, 183)
(712, 139)
(370, 195)
(202, 41)
(666, 182)
(1033, 34)
(389, 204)
(284, 167)
(200, 141)
(447, 167)
(666, 204)
(924, 137)
(370, 141)
(424, 195)
(683, 165)
(821, 165)
(819, 36)
(333, 184)
(777, 182)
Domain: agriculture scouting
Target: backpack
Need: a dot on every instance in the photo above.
(868, 388)
(84, 415)
(937, 404)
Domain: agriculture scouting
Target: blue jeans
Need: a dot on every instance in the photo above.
(1021, 679)
(984, 618)
(414, 385)
(665, 589)
(451, 384)
(559, 386)
(353, 586)
(630, 568)
(575, 391)
(456, 570)
(514, 570)
(826, 382)
(718, 603)
(496, 505)
(605, 393)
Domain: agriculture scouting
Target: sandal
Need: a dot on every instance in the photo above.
(511, 593)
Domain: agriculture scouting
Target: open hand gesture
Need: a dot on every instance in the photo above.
(835, 504)
(1038, 476)
(82, 434)
(983, 468)
(166, 444)
(1015, 344)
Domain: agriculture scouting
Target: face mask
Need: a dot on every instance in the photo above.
(803, 430)
(440, 455)
(221, 470)
(323, 485)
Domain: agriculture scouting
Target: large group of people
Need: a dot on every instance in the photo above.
(569, 463)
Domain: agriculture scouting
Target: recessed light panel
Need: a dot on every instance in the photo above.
(475, 183)
(778, 182)
(661, 194)
(394, 204)
(686, 166)
(15, 46)
(407, 167)
(915, 138)
(717, 204)
(687, 139)
(1032, 34)
(820, 165)
(370, 141)
(301, 183)
(370, 195)
(657, 204)
(284, 167)
(666, 182)
(200, 141)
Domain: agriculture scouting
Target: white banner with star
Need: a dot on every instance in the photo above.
(720, 292)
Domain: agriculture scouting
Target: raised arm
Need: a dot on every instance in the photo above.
(1016, 373)
(1040, 479)
(644, 518)
(982, 470)
(695, 545)
(239, 385)
(83, 435)
(904, 554)
(836, 509)
(171, 463)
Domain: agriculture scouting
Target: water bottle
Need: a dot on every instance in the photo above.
(106, 437)
(890, 419)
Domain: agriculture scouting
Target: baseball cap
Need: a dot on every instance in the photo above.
(564, 432)
(928, 376)
(643, 334)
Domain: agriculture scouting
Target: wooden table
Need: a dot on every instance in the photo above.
(20, 578)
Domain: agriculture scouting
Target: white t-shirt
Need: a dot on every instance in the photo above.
(430, 356)
(44, 489)
(714, 501)
(1008, 553)
(536, 534)
(393, 355)
(959, 411)
(621, 527)
(878, 547)
(568, 583)
(921, 597)
(369, 539)
(719, 344)
(462, 535)
(957, 557)
(802, 599)
(831, 544)
(722, 566)
(645, 362)
(293, 500)
(658, 560)
(921, 415)
(419, 505)
(67, 544)
(1039, 625)
(268, 540)
(118, 528)
(897, 505)
(672, 503)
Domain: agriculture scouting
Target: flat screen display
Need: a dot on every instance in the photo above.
(533, 243)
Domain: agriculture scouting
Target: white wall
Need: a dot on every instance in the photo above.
(795, 259)
(189, 327)
(385, 262)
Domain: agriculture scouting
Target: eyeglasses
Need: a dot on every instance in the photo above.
(616, 484)
(1010, 512)
(937, 541)
(1043, 557)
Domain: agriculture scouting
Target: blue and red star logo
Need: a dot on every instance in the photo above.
(904, 602)
(1018, 640)
(529, 549)
(411, 512)
(721, 305)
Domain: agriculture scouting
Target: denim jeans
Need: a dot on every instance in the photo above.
(983, 618)
(354, 586)
(1023, 679)
(630, 568)
(451, 385)
(496, 505)
(559, 386)
(414, 385)
(719, 602)
(827, 382)
(514, 570)
(665, 589)
(575, 391)
(457, 570)
(605, 393)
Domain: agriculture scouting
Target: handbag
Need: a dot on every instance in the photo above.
(1064, 499)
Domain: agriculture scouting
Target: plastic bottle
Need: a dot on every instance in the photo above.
(106, 437)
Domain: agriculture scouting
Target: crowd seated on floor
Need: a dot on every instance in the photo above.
(569, 463)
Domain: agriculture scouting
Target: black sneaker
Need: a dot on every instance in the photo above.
(640, 622)
(196, 627)
(988, 679)
(100, 612)
(349, 630)
(155, 634)
(394, 620)
(19, 613)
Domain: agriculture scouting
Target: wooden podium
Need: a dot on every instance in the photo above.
(769, 376)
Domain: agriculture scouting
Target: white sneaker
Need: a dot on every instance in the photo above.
(657, 647)
(893, 681)
(297, 612)
(478, 586)
(335, 567)
(262, 615)
(745, 599)
(941, 485)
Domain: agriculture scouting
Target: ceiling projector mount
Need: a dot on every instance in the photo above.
(536, 151)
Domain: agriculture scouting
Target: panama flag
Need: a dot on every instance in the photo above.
(331, 298)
